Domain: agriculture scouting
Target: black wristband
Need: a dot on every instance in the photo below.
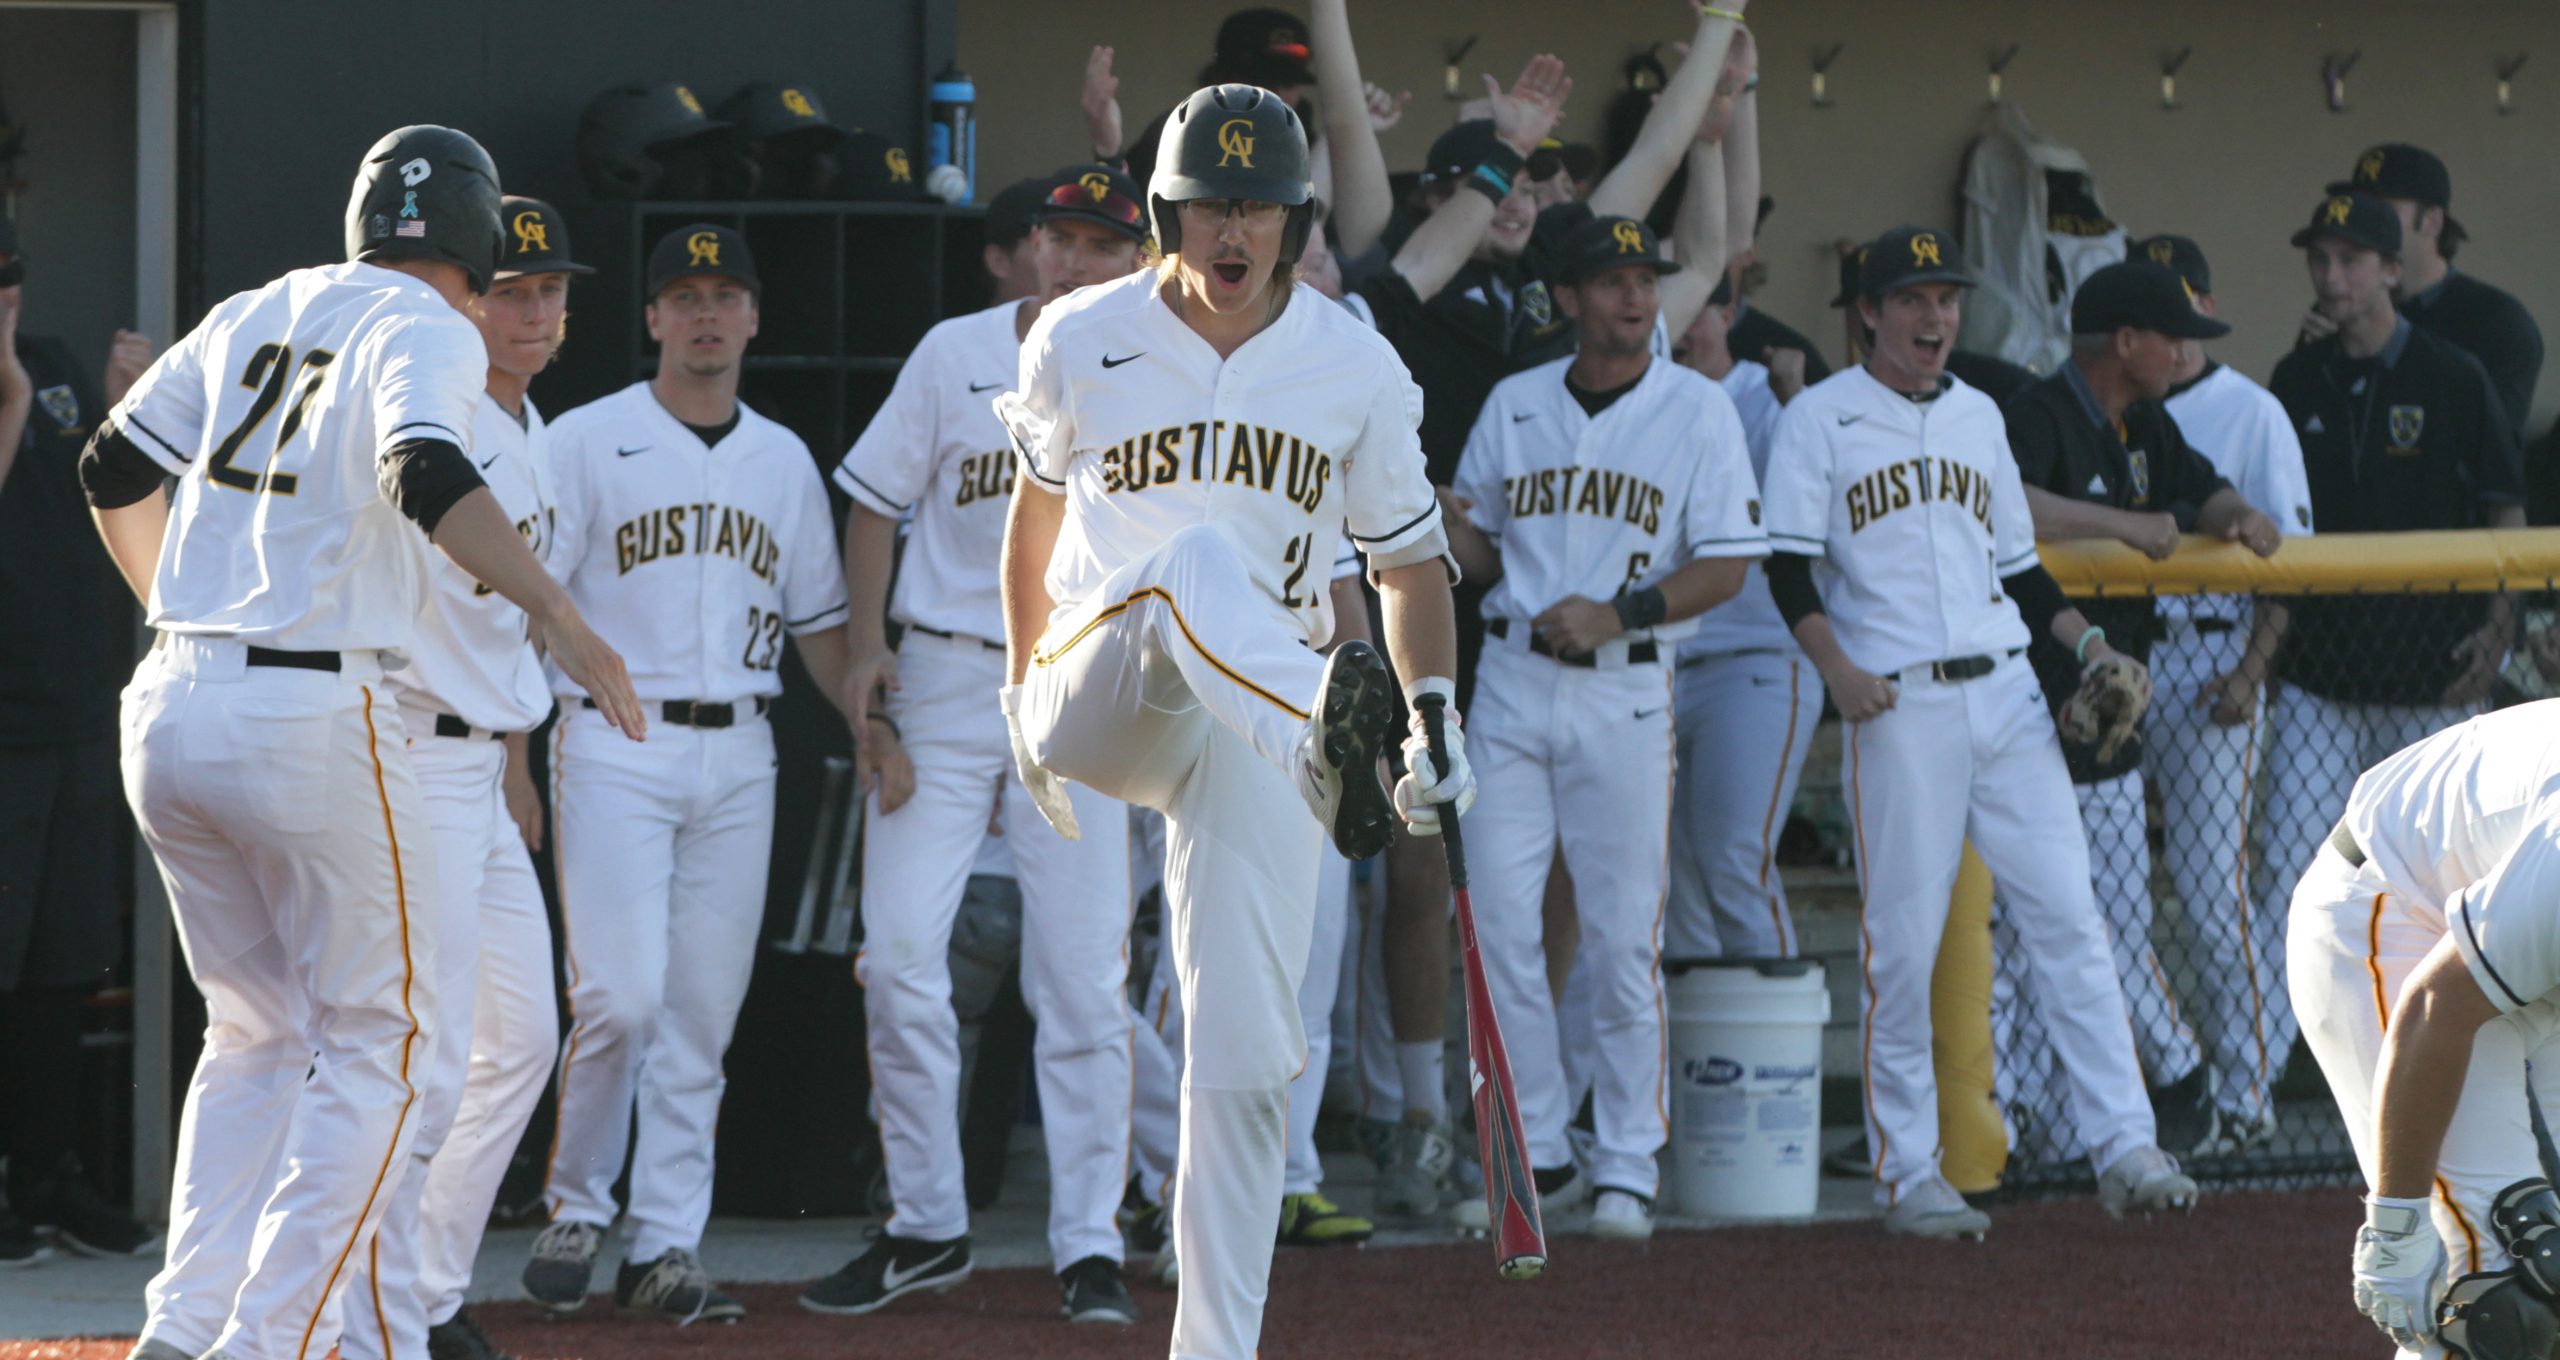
(1640, 608)
(1493, 176)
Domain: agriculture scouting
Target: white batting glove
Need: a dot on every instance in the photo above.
(1425, 786)
(1048, 792)
(2399, 1269)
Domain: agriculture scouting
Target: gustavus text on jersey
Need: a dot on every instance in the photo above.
(1917, 481)
(698, 528)
(1586, 491)
(1216, 451)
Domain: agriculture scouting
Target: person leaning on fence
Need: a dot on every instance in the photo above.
(2203, 746)
(2100, 457)
(2400, 430)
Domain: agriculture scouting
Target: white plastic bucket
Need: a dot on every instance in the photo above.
(1746, 1086)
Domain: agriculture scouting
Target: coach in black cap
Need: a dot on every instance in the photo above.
(2479, 317)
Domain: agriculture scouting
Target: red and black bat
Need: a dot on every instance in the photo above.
(1510, 1190)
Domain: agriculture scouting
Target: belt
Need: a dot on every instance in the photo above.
(1960, 668)
(696, 713)
(954, 637)
(274, 656)
(447, 725)
(1641, 652)
(2210, 624)
(2344, 842)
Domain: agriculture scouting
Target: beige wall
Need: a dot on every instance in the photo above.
(2238, 168)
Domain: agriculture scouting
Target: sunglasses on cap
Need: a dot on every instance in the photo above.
(1074, 196)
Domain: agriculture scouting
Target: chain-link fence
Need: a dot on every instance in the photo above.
(2195, 845)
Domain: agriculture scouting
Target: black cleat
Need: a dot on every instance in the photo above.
(1353, 728)
(460, 1338)
(1092, 1291)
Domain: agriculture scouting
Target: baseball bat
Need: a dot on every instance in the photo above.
(1510, 1189)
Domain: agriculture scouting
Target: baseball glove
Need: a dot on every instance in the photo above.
(2108, 706)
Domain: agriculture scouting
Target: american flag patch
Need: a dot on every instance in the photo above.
(412, 227)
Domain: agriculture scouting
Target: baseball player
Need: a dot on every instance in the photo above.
(1194, 440)
(1903, 559)
(937, 452)
(1746, 702)
(2206, 672)
(470, 697)
(2419, 958)
(267, 768)
(698, 529)
(1611, 503)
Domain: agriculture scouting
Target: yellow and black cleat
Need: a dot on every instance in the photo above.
(1311, 1220)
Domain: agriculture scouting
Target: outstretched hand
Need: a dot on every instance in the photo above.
(1524, 114)
(1102, 103)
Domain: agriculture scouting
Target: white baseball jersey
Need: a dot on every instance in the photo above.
(2508, 924)
(1915, 511)
(1750, 620)
(473, 656)
(693, 561)
(273, 414)
(1134, 418)
(2244, 431)
(1592, 505)
(936, 451)
(2439, 815)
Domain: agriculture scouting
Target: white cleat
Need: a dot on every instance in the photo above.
(2146, 1181)
(1621, 1216)
(1935, 1211)
(1418, 1158)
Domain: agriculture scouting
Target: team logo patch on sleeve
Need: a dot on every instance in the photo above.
(61, 404)
(2138, 461)
(2407, 423)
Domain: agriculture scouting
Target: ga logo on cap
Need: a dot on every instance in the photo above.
(1095, 183)
(899, 171)
(532, 237)
(1630, 238)
(685, 97)
(2338, 209)
(2369, 167)
(704, 246)
(2162, 254)
(798, 103)
(1235, 143)
(1924, 251)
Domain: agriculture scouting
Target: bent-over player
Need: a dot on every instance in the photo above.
(937, 451)
(268, 769)
(696, 529)
(1609, 500)
(2421, 961)
(1904, 560)
(1193, 440)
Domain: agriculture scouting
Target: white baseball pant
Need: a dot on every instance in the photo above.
(1582, 757)
(1171, 689)
(1074, 958)
(662, 849)
(1745, 721)
(2206, 773)
(1976, 759)
(2350, 945)
(292, 838)
(500, 1038)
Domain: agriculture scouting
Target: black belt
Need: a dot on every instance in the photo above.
(2344, 842)
(2212, 625)
(298, 661)
(448, 725)
(1959, 668)
(1641, 652)
(936, 632)
(696, 713)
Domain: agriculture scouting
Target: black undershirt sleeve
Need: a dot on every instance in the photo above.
(423, 478)
(114, 472)
(1791, 585)
(2039, 597)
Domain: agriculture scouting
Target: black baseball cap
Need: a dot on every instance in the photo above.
(535, 241)
(2178, 253)
(2399, 170)
(765, 109)
(1094, 193)
(2145, 296)
(1457, 152)
(1605, 243)
(1010, 212)
(701, 249)
(1907, 256)
(1265, 47)
(2359, 219)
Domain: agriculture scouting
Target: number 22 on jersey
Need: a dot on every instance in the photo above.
(269, 372)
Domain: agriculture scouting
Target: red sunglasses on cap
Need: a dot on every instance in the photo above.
(1097, 199)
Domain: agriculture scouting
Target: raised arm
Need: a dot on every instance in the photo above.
(1698, 239)
(1741, 143)
(1362, 199)
(1522, 117)
(1101, 100)
(1632, 185)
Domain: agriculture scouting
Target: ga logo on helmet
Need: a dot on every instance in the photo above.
(1710, 1071)
(899, 171)
(685, 97)
(798, 103)
(1235, 143)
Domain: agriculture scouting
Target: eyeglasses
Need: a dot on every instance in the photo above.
(1209, 213)
(1095, 196)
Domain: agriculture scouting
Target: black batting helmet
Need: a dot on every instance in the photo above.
(1233, 141)
(654, 141)
(427, 193)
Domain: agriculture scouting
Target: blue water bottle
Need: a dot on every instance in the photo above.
(951, 138)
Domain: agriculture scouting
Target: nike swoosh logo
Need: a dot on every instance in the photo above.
(1851, 420)
(989, 387)
(493, 460)
(1647, 712)
(893, 1279)
(628, 452)
(1531, 416)
(1109, 362)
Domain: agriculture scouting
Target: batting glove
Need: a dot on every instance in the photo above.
(1426, 786)
(2399, 1269)
(1048, 791)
